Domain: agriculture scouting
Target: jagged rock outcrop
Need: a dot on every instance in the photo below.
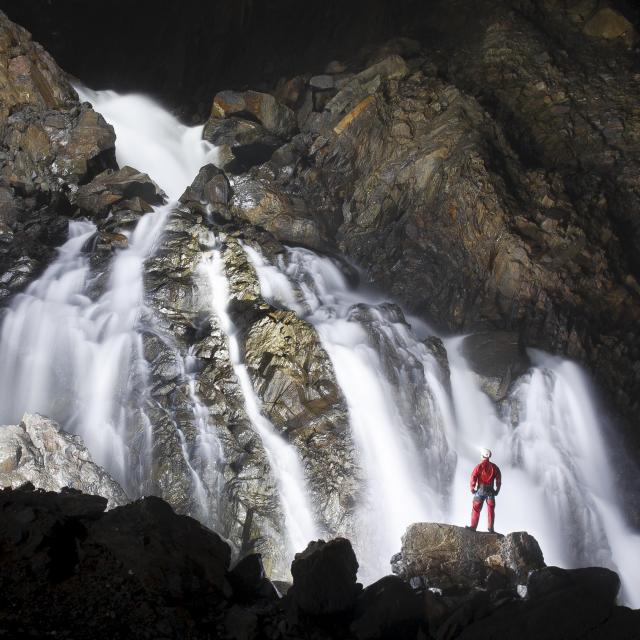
(49, 145)
(447, 557)
(70, 569)
(188, 353)
(39, 452)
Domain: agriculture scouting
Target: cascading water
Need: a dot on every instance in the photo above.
(81, 361)
(557, 480)
(558, 483)
(398, 409)
(298, 515)
(152, 140)
(71, 347)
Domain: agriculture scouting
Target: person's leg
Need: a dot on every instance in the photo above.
(491, 505)
(475, 512)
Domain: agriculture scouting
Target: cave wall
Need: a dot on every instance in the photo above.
(183, 53)
(553, 129)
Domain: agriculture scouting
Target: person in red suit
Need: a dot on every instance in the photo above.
(485, 485)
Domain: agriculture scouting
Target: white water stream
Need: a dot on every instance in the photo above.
(80, 360)
(557, 481)
(71, 348)
(399, 417)
(299, 522)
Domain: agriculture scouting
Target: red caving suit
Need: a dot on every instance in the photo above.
(483, 477)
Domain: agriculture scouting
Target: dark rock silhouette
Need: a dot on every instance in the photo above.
(71, 569)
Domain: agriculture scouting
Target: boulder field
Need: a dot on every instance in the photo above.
(68, 569)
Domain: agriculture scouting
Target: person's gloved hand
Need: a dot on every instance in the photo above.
(497, 491)
(473, 491)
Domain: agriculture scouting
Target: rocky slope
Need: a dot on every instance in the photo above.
(489, 186)
(68, 569)
(52, 148)
(290, 372)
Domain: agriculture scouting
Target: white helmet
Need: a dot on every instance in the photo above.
(486, 453)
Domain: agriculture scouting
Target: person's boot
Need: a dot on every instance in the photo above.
(490, 530)
(468, 527)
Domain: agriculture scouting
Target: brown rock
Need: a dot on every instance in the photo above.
(263, 204)
(607, 23)
(273, 116)
(446, 556)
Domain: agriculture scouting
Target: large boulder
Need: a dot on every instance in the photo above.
(74, 570)
(115, 190)
(562, 604)
(388, 608)
(262, 107)
(324, 577)
(497, 358)
(39, 452)
(447, 557)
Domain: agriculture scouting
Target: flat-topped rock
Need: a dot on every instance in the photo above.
(446, 556)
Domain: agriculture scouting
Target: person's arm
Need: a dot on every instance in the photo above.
(498, 478)
(474, 478)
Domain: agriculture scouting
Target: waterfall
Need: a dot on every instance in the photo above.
(71, 347)
(557, 481)
(398, 410)
(548, 444)
(299, 522)
(80, 360)
(151, 140)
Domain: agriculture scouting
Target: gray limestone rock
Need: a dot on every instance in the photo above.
(39, 452)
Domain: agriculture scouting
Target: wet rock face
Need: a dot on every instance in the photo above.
(49, 145)
(497, 358)
(189, 360)
(287, 216)
(39, 452)
(294, 377)
(446, 557)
